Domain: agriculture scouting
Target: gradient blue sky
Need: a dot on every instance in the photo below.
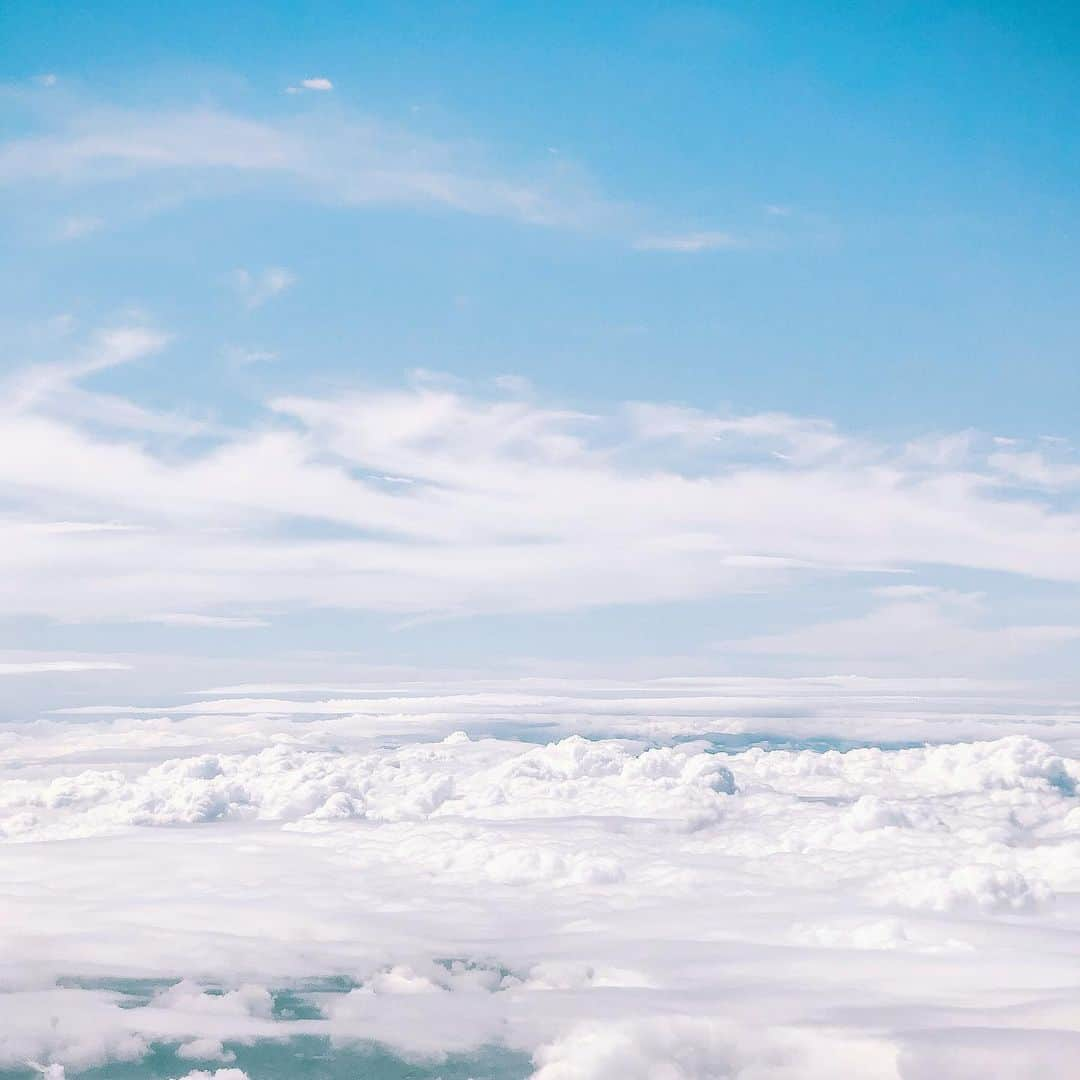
(838, 242)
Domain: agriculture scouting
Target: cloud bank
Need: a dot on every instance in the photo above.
(760, 913)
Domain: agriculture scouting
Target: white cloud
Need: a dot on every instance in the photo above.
(433, 500)
(319, 84)
(108, 348)
(243, 357)
(75, 228)
(255, 288)
(40, 667)
(204, 1050)
(703, 1048)
(690, 243)
(45, 527)
(217, 1074)
(347, 159)
(702, 913)
(797, 438)
(1032, 468)
(517, 385)
(916, 629)
(955, 450)
(222, 622)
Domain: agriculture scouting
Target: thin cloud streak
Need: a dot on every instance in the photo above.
(53, 667)
(690, 243)
(348, 159)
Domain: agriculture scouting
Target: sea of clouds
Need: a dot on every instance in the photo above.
(676, 880)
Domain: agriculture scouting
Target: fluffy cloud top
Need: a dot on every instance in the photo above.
(762, 913)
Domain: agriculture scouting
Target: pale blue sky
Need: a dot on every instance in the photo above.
(840, 239)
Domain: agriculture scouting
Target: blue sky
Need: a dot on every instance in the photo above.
(736, 337)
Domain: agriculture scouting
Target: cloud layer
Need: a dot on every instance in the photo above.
(234, 882)
(435, 499)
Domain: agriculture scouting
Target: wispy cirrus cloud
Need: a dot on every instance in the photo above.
(910, 628)
(345, 158)
(205, 622)
(1034, 467)
(108, 348)
(339, 156)
(437, 499)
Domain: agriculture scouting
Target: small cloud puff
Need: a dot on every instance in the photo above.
(319, 84)
(217, 1074)
(49, 1072)
(75, 228)
(238, 356)
(204, 1050)
(256, 288)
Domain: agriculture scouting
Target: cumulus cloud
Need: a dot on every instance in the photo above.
(49, 1072)
(204, 1050)
(501, 820)
(698, 1048)
(974, 886)
(668, 873)
(282, 784)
